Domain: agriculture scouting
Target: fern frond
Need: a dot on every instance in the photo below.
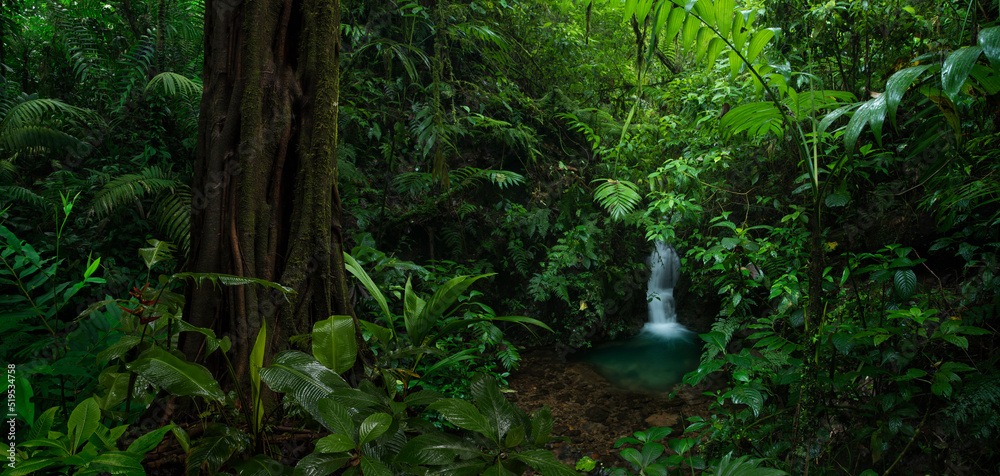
(16, 193)
(128, 188)
(32, 123)
(174, 84)
(453, 239)
(173, 216)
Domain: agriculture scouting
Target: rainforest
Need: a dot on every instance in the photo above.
(504, 237)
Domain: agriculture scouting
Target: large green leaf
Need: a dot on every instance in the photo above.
(421, 319)
(873, 113)
(373, 427)
(354, 268)
(41, 427)
(83, 422)
(435, 449)
(212, 451)
(158, 251)
(302, 376)
(898, 84)
(749, 396)
(320, 464)
(453, 326)
(147, 442)
(462, 414)
(500, 414)
(989, 41)
(256, 363)
(118, 462)
(232, 280)
(261, 465)
(905, 283)
(335, 443)
(758, 42)
(758, 119)
(176, 375)
(334, 344)
(956, 69)
(544, 462)
(337, 418)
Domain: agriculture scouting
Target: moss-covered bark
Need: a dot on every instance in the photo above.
(266, 203)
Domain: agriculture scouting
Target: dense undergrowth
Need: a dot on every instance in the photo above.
(829, 170)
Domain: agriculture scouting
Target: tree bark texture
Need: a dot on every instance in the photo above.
(265, 201)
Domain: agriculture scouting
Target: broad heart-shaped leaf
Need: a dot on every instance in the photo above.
(956, 69)
(435, 449)
(176, 375)
(333, 343)
(462, 414)
(320, 464)
(373, 427)
(871, 112)
(544, 462)
(905, 283)
(83, 422)
(354, 268)
(898, 84)
(302, 376)
(261, 465)
(749, 396)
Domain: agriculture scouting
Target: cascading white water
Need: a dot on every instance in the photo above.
(657, 358)
(665, 266)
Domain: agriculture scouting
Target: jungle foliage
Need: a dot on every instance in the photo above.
(829, 170)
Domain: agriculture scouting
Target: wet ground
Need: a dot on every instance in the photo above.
(591, 411)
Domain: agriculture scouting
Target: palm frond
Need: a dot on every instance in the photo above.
(619, 197)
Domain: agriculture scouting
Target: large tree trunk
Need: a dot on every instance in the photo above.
(265, 200)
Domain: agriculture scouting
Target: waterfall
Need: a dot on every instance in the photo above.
(665, 266)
